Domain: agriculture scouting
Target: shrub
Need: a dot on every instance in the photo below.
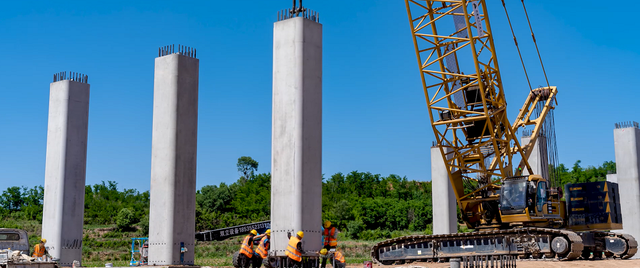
(354, 228)
(125, 219)
(376, 234)
(144, 225)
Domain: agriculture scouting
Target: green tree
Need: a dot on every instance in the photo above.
(11, 199)
(125, 219)
(246, 167)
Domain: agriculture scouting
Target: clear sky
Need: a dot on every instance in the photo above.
(374, 113)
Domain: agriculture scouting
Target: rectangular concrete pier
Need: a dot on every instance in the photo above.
(538, 159)
(627, 149)
(444, 203)
(65, 167)
(173, 158)
(296, 148)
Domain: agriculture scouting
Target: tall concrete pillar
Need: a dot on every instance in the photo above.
(538, 159)
(627, 149)
(443, 200)
(65, 167)
(173, 157)
(296, 145)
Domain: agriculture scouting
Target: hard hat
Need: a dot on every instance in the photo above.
(254, 232)
(43, 240)
(300, 234)
(323, 251)
(327, 224)
(268, 232)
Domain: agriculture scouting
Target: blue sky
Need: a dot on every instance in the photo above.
(374, 118)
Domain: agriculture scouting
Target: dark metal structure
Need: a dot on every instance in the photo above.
(224, 233)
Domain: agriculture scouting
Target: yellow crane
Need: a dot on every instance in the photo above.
(511, 213)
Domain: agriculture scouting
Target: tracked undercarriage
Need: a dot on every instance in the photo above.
(537, 243)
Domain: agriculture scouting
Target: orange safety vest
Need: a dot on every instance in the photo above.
(263, 246)
(329, 237)
(38, 251)
(247, 247)
(292, 249)
(338, 257)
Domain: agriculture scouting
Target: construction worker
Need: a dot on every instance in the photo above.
(329, 238)
(39, 250)
(336, 258)
(246, 249)
(263, 248)
(294, 250)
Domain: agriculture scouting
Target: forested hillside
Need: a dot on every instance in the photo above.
(362, 205)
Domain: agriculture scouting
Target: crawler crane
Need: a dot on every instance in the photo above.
(513, 214)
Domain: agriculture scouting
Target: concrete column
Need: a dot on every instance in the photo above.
(627, 148)
(173, 160)
(296, 145)
(614, 178)
(445, 213)
(65, 169)
(538, 158)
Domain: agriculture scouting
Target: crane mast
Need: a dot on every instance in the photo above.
(467, 106)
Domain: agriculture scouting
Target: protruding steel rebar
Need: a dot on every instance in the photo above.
(181, 49)
(72, 76)
(298, 11)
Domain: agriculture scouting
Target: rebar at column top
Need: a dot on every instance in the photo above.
(71, 76)
(181, 50)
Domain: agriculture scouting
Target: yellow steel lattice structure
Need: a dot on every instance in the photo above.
(464, 92)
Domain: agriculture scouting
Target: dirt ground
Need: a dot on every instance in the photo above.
(534, 264)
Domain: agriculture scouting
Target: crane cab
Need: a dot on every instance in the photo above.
(527, 200)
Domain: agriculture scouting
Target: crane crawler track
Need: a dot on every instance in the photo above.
(528, 242)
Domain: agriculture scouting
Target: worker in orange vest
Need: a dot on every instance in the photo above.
(294, 250)
(39, 250)
(336, 258)
(329, 239)
(246, 249)
(263, 248)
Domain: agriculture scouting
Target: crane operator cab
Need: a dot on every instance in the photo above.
(525, 199)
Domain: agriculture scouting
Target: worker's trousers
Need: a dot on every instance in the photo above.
(294, 264)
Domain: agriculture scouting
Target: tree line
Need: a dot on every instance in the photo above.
(362, 205)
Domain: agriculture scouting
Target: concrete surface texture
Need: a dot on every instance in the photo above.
(296, 145)
(445, 219)
(173, 160)
(65, 170)
(627, 149)
(538, 158)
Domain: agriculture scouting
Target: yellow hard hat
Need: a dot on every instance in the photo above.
(268, 232)
(254, 232)
(43, 240)
(300, 234)
(323, 251)
(327, 224)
